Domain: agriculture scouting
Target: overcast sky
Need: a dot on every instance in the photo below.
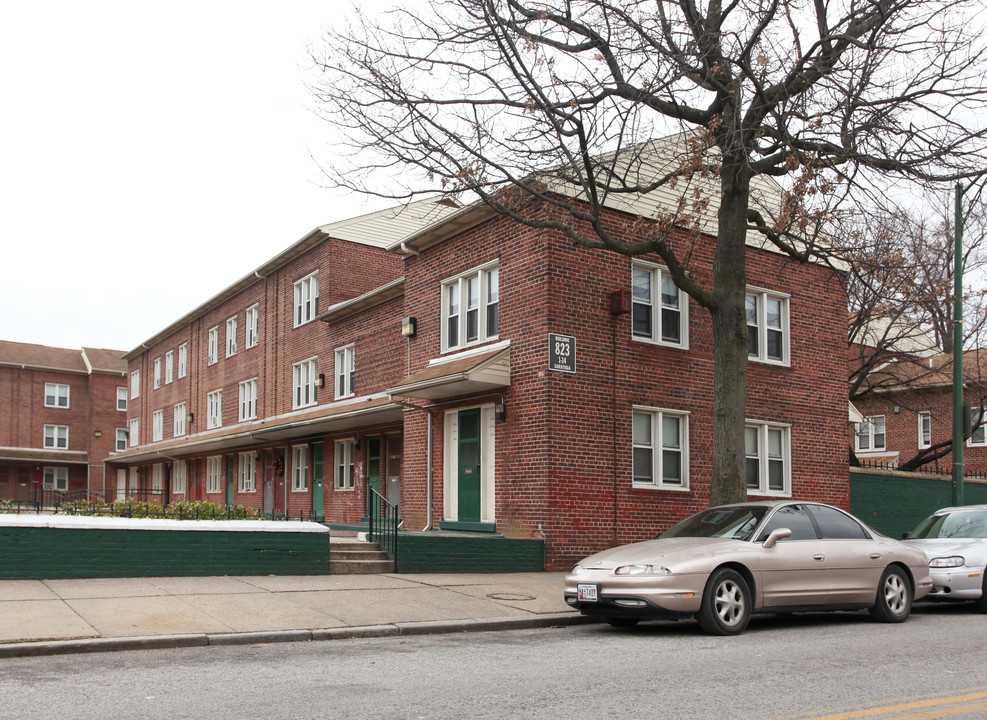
(150, 156)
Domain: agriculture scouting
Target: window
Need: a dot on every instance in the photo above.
(345, 469)
(299, 468)
(248, 399)
(134, 480)
(121, 439)
(231, 336)
(135, 384)
(169, 366)
(660, 310)
(660, 449)
(306, 299)
(214, 409)
(180, 415)
(56, 395)
(179, 477)
(214, 474)
(57, 478)
(253, 314)
(924, 429)
(471, 308)
(870, 434)
(122, 399)
(345, 371)
(182, 360)
(133, 432)
(248, 472)
(835, 525)
(157, 477)
(303, 377)
(157, 425)
(212, 346)
(768, 465)
(157, 373)
(767, 327)
(57, 436)
(793, 517)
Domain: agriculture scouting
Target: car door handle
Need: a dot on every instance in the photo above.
(820, 557)
(875, 556)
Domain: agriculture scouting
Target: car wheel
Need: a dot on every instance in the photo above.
(620, 622)
(894, 596)
(726, 607)
(982, 602)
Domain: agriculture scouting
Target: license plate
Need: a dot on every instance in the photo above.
(588, 593)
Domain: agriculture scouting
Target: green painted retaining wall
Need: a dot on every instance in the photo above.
(453, 553)
(895, 502)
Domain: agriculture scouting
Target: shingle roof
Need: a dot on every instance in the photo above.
(42, 357)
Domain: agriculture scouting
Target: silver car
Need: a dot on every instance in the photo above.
(955, 541)
(727, 562)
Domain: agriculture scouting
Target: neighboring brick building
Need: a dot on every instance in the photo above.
(62, 414)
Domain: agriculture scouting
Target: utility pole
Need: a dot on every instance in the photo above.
(958, 414)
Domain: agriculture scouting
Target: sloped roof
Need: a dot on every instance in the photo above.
(928, 372)
(472, 373)
(105, 361)
(43, 357)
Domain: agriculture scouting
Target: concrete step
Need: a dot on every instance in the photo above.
(360, 567)
(352, 557)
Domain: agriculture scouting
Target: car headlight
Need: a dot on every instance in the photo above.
(951, 561)
(642, 570)
(576, 570)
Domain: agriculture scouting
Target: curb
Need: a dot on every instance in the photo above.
(160, 642)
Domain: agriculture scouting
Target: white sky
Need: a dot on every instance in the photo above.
(150, 156)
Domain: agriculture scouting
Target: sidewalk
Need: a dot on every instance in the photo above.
(46, 617)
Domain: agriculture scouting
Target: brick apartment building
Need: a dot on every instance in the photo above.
(488, 377)
(63, 412)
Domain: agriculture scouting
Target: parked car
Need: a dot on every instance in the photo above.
(955, 541)
(727, 562)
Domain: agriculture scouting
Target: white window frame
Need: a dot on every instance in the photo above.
(764, 458)
(182, 360)
(214, 474)
(303, 377)
(252, 322)
(344, 474)
(306, 305)
(247, 471)
(57, 437)
(157, 373)
(121, 442)
(157, 477)
(759, 322)
(179, 419)
(299, 468)
(55, 476)
(866, 435)
(122, 399)
(654, 444)
(924, 429)
(345, 371)
(214, 409)
(133, 432)
(231, 336)
(169, 367)
(248, 400)
(654, 301)
(978, 437)
(212, 346)
(179, 477)
(157, 426)
(135, 384)
(455, 319)
(59, 393)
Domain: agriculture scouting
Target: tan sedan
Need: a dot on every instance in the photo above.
(725, 563)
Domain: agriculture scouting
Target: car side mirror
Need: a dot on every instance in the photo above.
(775, 536)
(906, 535)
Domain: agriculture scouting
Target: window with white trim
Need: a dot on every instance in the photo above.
(345, 476)
(871, 436)
(214, 474)
(182, 360)
(768, 458)
(345, 371)
(157, 477)
(299, 468)
(56, 395)
(212, 346)
(178, 420)
(214, 409)
(169, 366)
(56, 478)
(248, 471)
(133, 432)
(303, 377)
(122, 399)
(179, 477)
(157, 373)
(660, 311)
(767, 327)
(135, 384)
(133, 479)
(471, 308)
(306, 299)
(157, 425)
(660, 449)
(978, 437)
(57, 436)
(252, 323)
(231, 336)
(121, 439)
(248, 399)
(924, 429)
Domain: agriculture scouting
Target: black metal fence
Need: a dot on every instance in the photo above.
(383, 525)
(931, 468)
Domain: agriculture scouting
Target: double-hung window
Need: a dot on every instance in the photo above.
(214, 409)
(306, 299)
(212, 346)
(157, 477)
(214, 474)
(179, 477)
(56, 395)
(157, 425)
(767, 326)
(871, 435)
(121, 439)
(924, 430)
(660, 449)
(157, 373)
(345, 371)
(248, 399)
(179, 420)
(57, 437)
(122, 399)
(248, 471)
(169, 366)
(56, 478)
(303, 377)
(766, 447)
(252, 334)
(133, 432)
(345, 477)
(660, 311)
(299, 468)
(231, 336)
(978, 437)
(182, 360)
(471, 308)
(135, 384)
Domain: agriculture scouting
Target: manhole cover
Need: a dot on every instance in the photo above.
(509, 596)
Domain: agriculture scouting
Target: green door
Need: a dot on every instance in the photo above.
(318, 504)
(230, 479)
(373, 475)
(469, 465)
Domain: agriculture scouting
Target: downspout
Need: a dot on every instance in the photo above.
(428, 473)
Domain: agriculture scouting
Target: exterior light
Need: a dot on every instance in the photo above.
(409, 326)
(320, 381)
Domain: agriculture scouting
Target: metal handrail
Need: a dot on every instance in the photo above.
(383, 525)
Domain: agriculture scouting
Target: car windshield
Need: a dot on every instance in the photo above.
(737, 523)
(970, 524)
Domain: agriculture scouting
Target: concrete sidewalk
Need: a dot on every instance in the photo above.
(45, 617)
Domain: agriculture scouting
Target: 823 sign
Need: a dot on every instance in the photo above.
(562, 353)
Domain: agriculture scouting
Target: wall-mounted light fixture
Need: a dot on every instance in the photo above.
(409, 326)
(190, 418)
(98, 433)
(320, 381)
(500, 410)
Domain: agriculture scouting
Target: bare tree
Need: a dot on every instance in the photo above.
(558, 100)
